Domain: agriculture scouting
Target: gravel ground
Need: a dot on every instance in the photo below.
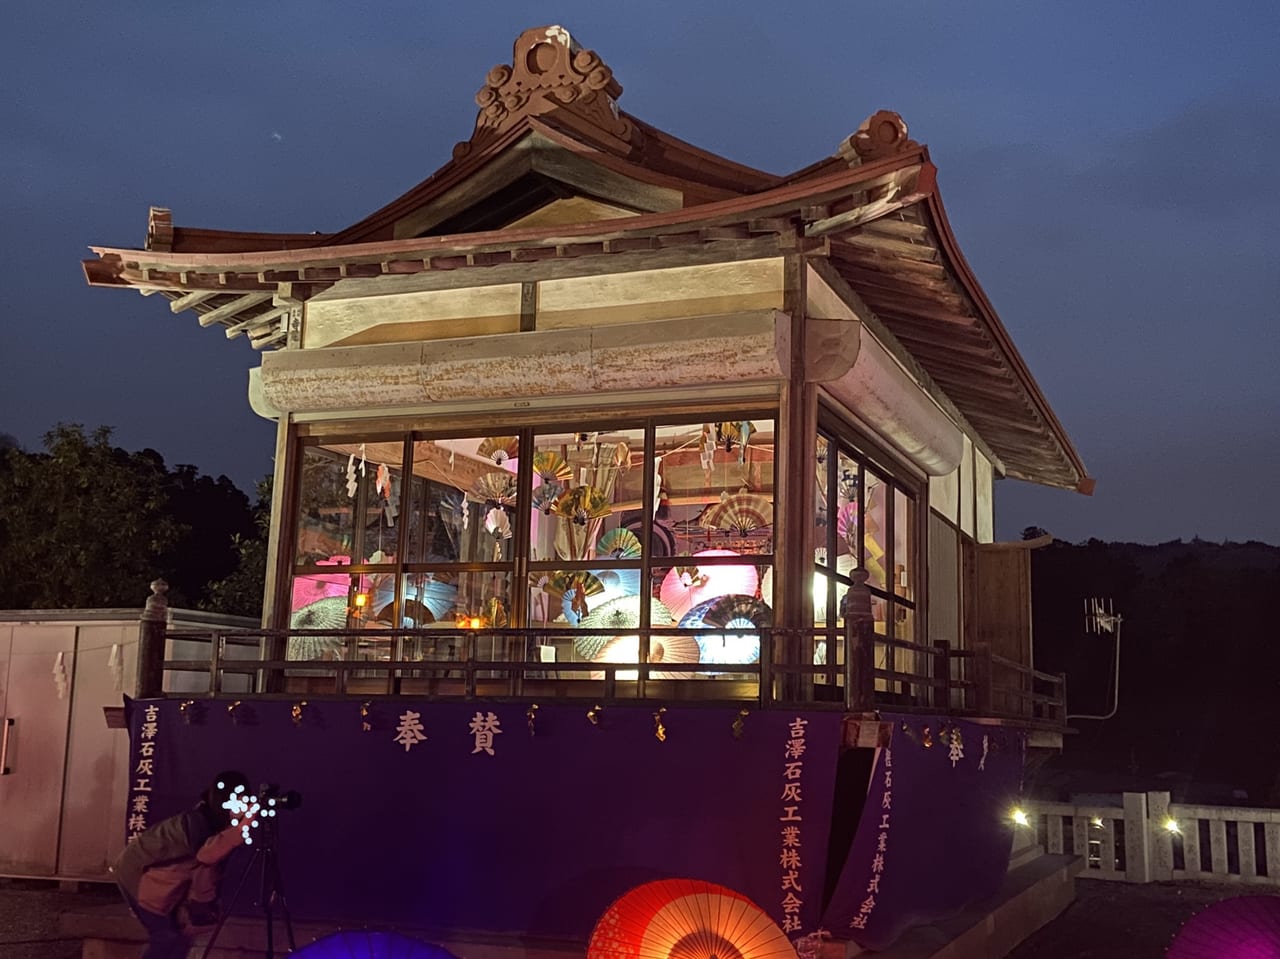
(29, 911)
(1115, 920)
(1107, 920)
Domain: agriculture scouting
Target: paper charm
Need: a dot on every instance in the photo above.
(382, 481)
(60, 675)
(745, 428)
(115, 666)
(353, 484)
(657, 484)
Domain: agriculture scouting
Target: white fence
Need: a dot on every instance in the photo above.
(1148, 839)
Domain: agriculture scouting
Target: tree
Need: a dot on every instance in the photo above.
(240, 593)
(83, 524)
(1034, 532)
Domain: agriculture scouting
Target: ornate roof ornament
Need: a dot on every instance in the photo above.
(549, 73)
(881, 135)
(159, 230)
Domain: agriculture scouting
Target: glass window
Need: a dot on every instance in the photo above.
(463, 500)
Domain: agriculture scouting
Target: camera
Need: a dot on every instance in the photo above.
(271, 796)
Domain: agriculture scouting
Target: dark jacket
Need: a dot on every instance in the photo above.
(178, 859)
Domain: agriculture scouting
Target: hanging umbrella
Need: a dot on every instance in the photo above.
(438, 596)
(847, 524)
(582, 504)
(551, 466)
(367, 944)
(674, 648)
(498, 488)
(619, 615)
(619, 543)
(453, 514)
(681, 590)
(686, 919)
(327, 613)
(739, 513)
(499, 449)
(545, 496)
(498, 524)
(733, 612)
(1245, 927)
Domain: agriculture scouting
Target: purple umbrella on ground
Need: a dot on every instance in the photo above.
(1245, 927)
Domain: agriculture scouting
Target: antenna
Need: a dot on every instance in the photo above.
(1100, 617)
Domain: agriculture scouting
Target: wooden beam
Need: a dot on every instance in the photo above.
(237, 328)
(904, 229)
(187, 301)
(894, 247)
(228, 310)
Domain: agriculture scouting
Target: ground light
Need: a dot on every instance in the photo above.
(1019, 818)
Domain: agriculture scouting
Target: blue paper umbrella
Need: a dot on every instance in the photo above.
(366, 944)
(430, 600)
(729, 613)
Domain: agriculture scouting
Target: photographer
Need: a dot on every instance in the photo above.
(170, 873)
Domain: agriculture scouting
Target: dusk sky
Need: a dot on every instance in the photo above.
(1107, 168)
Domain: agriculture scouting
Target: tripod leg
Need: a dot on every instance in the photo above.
(222, 919)
(277, 883)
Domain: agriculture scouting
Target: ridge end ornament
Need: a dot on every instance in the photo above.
(880, 135)
(549, 72)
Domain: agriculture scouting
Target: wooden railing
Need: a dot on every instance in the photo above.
(1149, 839)
(861, 671)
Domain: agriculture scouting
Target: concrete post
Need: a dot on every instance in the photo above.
(1160, 839)
(1137, 839)
(151, 640)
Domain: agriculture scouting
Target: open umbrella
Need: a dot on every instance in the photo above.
(440, 598)
(369, 944)
(618, 615)
(327, 613)
(738, 513)
(684, 588)
(497, 488)
(729, 613)
(686, 919)
(619, 543)
(499, 449)
(1244, 927)
(551, 466)
(672, 648)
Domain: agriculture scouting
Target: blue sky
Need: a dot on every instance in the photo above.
(1107, 168)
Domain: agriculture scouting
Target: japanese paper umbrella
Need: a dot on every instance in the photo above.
(327, 613)
(729, 613)
(619, 615)
(367, 944)
(686, 919)
(739, 513)
(673, 648)
(1245, 927)
(681, 591)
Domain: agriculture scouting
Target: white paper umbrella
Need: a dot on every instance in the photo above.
(674, 648)
(618, 615)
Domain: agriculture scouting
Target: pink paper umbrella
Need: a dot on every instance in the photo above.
(685, 587)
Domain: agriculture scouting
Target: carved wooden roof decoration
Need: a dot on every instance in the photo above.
(869, 216)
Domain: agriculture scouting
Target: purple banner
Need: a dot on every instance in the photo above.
(502, 817)
(935, 833)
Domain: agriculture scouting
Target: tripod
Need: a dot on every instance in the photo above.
(266, 859)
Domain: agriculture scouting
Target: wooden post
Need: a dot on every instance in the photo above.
(859, 631)
(151, 639)
(982, 678)
(1137, 839)
(1158, 836)
(940, 696)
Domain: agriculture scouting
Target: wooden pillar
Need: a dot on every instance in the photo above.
(860, 641)
(151, 639)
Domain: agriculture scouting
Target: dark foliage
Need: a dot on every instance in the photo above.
(1200, 661)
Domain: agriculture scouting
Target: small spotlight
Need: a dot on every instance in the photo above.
(1172, 826)
(361, 600)
(475, 622)
(1096, 822)
(1020, 818)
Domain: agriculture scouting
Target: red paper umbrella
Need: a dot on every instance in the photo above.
(686, 919)
(1246, 927)
(686, 586)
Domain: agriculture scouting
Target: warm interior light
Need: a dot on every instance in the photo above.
(475, 622)
(361, 600)
(1020, 818)
(1096, 822)
(1171, 824)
